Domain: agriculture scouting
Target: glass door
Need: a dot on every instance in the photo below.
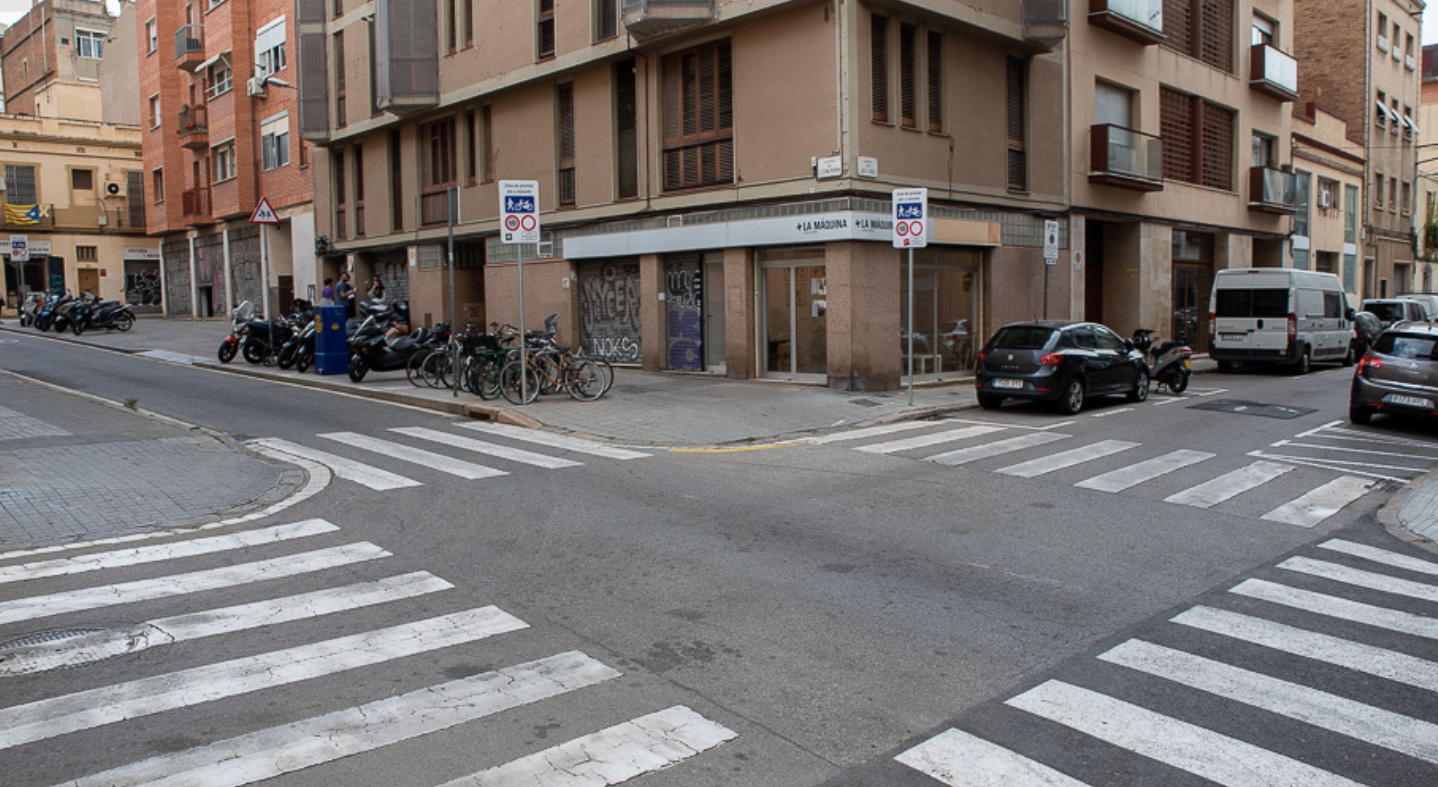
(714, 359)
(795, 318)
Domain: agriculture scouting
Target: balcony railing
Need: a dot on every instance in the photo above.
(195, 205)
(1125, 158)
(194, 128)
(1272, 190)
(646, 19)
(1046, 22)
(1273, 73)
(190, 46)
(1137, 20)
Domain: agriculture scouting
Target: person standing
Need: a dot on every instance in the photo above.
(376, 289)
(346, 294)
(327, 293)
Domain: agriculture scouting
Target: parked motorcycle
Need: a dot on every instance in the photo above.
(1171, 365)
(65, 312)
(102, 315)
(297, 322)
(30, 308)
(239, 318)
(371, 350)
(45, 317)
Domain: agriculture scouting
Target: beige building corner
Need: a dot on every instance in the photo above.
(1327, 231)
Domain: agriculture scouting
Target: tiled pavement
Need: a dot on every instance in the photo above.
(72, 468)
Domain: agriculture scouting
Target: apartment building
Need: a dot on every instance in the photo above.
(1361, 61)
(715, 176)
(218, 99)
(74, 203)
(1179, 155)
(51, 57)
(1328, 163)
(1426, 211)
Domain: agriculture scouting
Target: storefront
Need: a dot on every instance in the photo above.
(694, 310)
(40, 273)
(794, 314)
(946, 310)
(609, 310)
(142, 279)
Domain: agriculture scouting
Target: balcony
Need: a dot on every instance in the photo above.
(190, 47)
(406, 57)
(1125, 158)
(1272, 73)
(195, 206)
(1136, 20)
(193, 128)
(646, 19)
(1046, 22)
(1272, 190)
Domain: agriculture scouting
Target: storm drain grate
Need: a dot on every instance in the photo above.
(64, 649)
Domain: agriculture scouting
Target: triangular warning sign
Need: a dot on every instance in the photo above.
(264, 214)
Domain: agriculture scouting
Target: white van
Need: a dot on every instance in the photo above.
(1279, 316)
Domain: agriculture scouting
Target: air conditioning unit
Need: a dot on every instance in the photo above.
(255, 87)
(1325, 199)
(113, 189)
(544, 249)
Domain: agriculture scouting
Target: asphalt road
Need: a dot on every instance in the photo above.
(821, 608)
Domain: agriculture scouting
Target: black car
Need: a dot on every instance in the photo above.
(1060, 362)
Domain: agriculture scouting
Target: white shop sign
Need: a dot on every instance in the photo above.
(813, 228)
(142, 254)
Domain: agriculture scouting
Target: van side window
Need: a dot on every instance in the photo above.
(1332, 306)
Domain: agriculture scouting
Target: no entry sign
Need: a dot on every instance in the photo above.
(519, 211)
(911, 218)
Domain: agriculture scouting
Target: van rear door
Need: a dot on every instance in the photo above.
(1251, 318)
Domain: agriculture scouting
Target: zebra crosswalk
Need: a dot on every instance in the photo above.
(1200, 692)
(364, 453)
(616, 749)
(956, 442)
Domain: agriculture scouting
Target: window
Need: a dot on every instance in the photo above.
(1406, 197)
(155, 111)
(304, 148)
(1380, 117)
(1016, 116)
(359, 189)
(1408, 45)
(219, 80)
(545, 19)
(908, 78)
(89, 43)
(451, 25)
(565, 134)
(339, 47)
(879, 67)
(468, 23)
(1201, 29)
(1265, 30)
(86, 253)
(1198, 140)
(270, 48)
(339, 7)
(606, 19)
(935, 53)
(1113, 105)
(698, 117)
(224, 157)
(396, 182)
(20, 184)
(152, 35)
(437, 170)
(486, 128)
(157, 181)
(337, 160)
(1263, 150)
(1382, 31)
(135, 197)
(1393, 195)
(82, 180)
(275, 143)
(1303, 216)
(1394, 119)
(471, 147)
(1407, 119)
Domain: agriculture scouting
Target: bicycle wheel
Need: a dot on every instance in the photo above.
(488, 371)
(549, 372)
(510, 382)
(584, 381)
(414, 370)
(436, 370)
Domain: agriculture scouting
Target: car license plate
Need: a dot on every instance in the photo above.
(1008, 383)
(1232, 337)
(1409, 401)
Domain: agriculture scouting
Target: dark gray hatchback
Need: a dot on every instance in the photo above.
(1398, 374)
(1060, 362)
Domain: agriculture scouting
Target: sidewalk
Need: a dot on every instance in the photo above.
(643, 408)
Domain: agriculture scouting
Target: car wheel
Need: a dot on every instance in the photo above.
(1140, 387)
(1359, 414)
(1304, 364)
(1225, 366)
(990, 401)
(1348, 359)
(1072, 399)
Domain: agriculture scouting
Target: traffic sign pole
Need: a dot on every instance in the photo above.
(910, 214)
(519, 224)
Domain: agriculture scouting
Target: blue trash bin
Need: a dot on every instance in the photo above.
(332, 355)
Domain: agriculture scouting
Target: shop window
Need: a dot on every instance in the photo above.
(879, 67)
(946, 298)
(698, 117)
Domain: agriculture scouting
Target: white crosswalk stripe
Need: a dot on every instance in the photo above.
(1048, 464)
(348, 469)
(996, 448)
(576, 444)
(1229, 485)
(158, 552)
(440, 462)
(1384, 556)
(1133, 475)
(1341, 608)
(490, 449)
(869, 431)
(1320, 503)
(612, 755)
(959, 759)
(1361, 578)
(292, 747)
(926, 440)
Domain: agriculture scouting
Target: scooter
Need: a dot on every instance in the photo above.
(370, 350)
(50, 309)
(106, 315)
(297, 322)
(239, 318)
(1171, 366)
(30, 308)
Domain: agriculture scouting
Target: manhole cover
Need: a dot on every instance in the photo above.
(61, 649)
(1260, 409)
(864, 402)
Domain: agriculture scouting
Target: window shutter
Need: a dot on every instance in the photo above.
(1216, 43)
(1217, 166)
(339, 168)
(879, 66)
(908, 90)
(546, 29)
(1176, 126)
(1178, 25)
(698, 117)
(1018, 159)
(936, 81)
(565, 98)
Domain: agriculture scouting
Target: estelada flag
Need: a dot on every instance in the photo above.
(22, 214)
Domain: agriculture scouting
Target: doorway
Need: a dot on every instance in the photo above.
(795, 309)
(714, 358)
(89, 281)
(1192, 279)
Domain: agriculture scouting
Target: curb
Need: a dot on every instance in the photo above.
(1390, 514)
